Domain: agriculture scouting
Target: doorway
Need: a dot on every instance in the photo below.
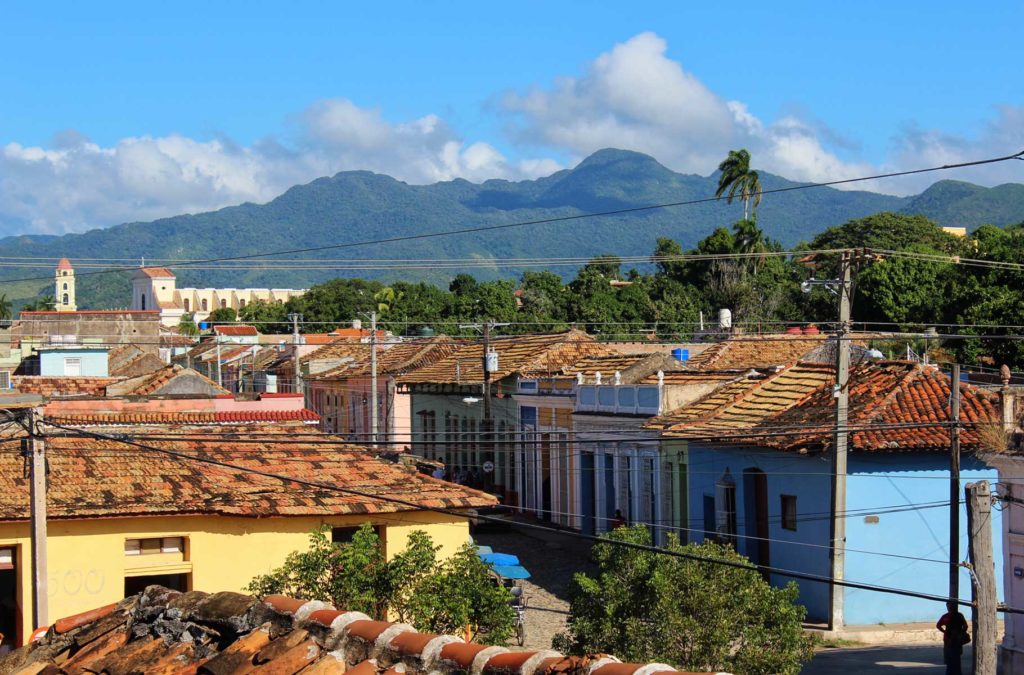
(755, 515)
(10, 616)
(588, 495)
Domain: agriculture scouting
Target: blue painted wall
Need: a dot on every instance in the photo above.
(94, 361)
(804, 549)
(899, 480)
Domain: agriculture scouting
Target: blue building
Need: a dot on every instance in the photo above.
(73, 361)
(759, 468)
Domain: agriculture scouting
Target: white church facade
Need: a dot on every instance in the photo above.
(154, 288)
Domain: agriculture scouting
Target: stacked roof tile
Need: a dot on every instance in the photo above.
(94, 478)
(528, 355)
(164, 631)
(62, 387)
(152, 383)
(232, 417)
(395, 359)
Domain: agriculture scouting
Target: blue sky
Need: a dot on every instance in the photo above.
(129, 111)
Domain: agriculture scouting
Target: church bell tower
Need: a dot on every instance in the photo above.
(64, 289)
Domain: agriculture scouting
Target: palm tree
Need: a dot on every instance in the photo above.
(736, 177)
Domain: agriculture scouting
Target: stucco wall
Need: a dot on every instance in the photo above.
(916, 486)
(804, 549)
(87, 563)
(93, 362)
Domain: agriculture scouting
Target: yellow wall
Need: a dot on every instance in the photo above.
(87, 563)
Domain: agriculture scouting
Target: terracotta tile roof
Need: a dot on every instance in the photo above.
(164, 631)
(894, 405)
(343, 348)
(236, 331)
(201, 418)
(756, 351)
(530, 355)
(153, 382)
(156, 272)
(92, 478)
(394, 359)
(64, 264)
(688, 377)
(129, 360)
(632, 368)
(59, 387)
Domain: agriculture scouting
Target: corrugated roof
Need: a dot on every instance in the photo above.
(104, 478)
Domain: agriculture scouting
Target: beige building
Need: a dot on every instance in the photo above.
(153, 288)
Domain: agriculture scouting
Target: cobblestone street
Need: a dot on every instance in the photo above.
(552, 559)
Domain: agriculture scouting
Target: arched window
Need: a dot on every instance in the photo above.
(241, 304)
(65, 286)
(143, 302)
(205, 307)
(223, 304)
(186, 304)
(65, 297)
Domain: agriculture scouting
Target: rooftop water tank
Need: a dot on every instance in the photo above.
(680, 354)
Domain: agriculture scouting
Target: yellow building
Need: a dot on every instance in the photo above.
(121, 518)
(64, 287)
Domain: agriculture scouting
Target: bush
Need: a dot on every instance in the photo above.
(414, 587)
(645, 606)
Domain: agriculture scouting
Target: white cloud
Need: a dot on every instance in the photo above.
(76, 184)
(637, 98)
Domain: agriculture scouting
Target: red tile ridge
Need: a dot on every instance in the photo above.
(72, 622)
(411, 643)
(461, 653)
(324, 617)
(368, 630)
(367, 667)
(283, 604)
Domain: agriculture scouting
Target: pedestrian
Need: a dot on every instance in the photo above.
(439, 472)
(619, 520)
(955, 635)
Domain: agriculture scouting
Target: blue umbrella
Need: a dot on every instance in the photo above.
(499, 558)
(511, 571)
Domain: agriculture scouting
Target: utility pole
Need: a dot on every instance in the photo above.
(842, 396)
(35, 453)
(295, 319)
(488, 362)
(373, 378)
(216, 337)
(954, 493)
(983, 576)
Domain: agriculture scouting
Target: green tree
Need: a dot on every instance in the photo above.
(644, 606)
(434, 596)
(268, 317)
(5, 307)
(737, 176)
(222, 315)
(187, 325)
(335, 302)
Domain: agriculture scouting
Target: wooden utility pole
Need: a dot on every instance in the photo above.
(842, 396)
(954, 492)
(983, 576)
(35, 453)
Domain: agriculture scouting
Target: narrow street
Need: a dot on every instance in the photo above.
(895, 659)
(552, 560)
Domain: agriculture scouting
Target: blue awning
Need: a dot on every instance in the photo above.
(511, 571)
(482, 550)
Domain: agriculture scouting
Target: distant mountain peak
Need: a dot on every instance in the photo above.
(608, 156)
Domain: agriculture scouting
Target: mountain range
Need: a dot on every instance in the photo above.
(359, 206)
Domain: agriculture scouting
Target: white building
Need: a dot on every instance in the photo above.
(154, 288)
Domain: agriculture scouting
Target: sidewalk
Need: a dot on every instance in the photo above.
(898, 660)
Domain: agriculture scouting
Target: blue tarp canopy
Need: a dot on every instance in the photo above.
(481, 550)
(499, 558)
(511, 571)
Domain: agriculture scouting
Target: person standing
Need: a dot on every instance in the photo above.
(955, 635)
